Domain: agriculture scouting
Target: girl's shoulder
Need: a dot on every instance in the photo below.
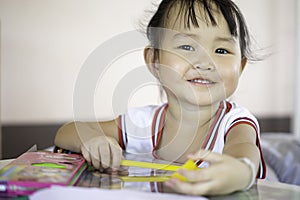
(143, 109)
(142, 115)
(235, 109)
(238, 114)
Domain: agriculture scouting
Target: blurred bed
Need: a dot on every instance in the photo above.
(282, 155)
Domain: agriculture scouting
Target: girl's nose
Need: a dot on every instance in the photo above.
(207, 66)
(203, 60)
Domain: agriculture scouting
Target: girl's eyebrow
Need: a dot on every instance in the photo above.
(195, 36)
(185, 35)
(226, 39)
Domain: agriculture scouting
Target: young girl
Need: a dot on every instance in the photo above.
(198, 50)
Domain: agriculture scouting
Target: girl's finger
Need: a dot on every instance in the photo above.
(116, 157)
(105, 155)
(94, 154)
(116, 153)
(202, 175)
(86, 154)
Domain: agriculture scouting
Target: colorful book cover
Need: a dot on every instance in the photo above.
(35, 170)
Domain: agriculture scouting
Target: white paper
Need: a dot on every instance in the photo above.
(74, 193)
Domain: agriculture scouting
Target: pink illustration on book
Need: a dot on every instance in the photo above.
(35, 170)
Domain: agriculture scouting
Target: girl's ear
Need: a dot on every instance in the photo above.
(243, 63)
(151, 60)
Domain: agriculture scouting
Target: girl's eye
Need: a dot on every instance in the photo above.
(187, 47)
(221, 51)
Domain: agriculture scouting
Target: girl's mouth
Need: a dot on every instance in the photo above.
(201, 81)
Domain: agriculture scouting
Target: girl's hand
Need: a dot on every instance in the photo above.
(224, 175)
(102, 152)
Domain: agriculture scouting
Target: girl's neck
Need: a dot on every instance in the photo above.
(191, 114)
(185, 129)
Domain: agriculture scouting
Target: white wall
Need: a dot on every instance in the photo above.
(267, 88)
(0, 101)
(296, 119)
(45, 43)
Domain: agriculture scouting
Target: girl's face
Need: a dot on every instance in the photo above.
(201, 65)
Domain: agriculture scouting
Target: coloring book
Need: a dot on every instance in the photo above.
(35, 170)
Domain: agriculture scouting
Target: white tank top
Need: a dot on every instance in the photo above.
(140, 129)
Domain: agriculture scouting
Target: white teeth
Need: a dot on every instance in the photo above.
(200, 81)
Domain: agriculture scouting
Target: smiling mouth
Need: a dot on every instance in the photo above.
(201, 81)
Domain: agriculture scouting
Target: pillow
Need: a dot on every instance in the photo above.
(281, 152)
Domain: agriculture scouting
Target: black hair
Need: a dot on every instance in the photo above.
(229, 10)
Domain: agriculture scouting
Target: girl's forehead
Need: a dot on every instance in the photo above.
(178, 19)
(178, 23)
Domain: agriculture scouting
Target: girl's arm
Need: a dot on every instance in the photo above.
(97, 141)
(241, 142)
(72, 135)
(226, 172)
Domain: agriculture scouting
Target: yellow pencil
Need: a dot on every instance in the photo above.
(190, 165)
(167, 167)
(144, 178)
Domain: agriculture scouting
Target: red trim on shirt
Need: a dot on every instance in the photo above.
(120, 133)
(153, 133)
(228, 106)
(211, 128)
(244, 120)
(161, 126)
(264, 167)
(153, 126)
(214, 124)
